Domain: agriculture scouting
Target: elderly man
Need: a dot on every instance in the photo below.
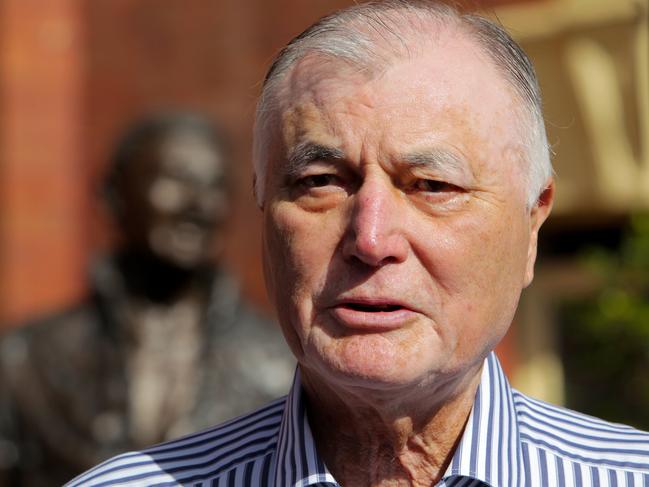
(403, 173)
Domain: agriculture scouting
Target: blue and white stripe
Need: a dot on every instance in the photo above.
(510, 440)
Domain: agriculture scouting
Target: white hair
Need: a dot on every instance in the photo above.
(371, 35)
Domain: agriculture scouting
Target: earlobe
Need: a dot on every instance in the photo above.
(538, 214)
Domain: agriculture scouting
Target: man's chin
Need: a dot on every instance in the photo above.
(365, 365)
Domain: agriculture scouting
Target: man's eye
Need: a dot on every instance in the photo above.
(434, 186)
(318, 180)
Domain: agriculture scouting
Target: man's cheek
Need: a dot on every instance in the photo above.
(285, 269)
(277, 259)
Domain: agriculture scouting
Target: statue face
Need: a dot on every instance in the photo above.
(175, 199)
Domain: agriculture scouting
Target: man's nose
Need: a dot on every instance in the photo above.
(375, 235)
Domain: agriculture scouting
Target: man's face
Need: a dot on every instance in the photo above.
(175, 198)
(396, 235)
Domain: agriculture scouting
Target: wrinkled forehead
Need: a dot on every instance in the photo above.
(450, 82)
(313, 86)
(317, 79)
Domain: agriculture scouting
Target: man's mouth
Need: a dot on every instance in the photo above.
(372, 308)
(372, 315)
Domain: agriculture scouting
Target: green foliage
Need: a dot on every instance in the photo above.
(606, 337)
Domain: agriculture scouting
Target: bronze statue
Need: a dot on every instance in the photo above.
(164, 345)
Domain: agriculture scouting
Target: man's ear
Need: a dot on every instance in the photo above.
(538, 214)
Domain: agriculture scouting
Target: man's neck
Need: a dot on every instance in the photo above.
(368, 441)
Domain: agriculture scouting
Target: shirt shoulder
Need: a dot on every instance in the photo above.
(242, 447)
(552, 434)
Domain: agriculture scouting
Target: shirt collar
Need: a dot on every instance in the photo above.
(489, 450)
(297, 463)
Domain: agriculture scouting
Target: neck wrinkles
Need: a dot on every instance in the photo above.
(407, 439)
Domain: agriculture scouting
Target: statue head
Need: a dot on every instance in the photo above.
(169, 188)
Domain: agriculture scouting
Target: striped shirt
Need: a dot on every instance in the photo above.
(509, 440)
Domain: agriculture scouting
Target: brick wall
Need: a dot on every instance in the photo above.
(42, 181)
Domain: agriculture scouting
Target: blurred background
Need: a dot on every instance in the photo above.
(75, 73)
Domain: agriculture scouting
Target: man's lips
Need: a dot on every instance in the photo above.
(371, 314)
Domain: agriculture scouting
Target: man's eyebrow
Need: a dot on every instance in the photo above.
(441, 159)
(307, 152)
